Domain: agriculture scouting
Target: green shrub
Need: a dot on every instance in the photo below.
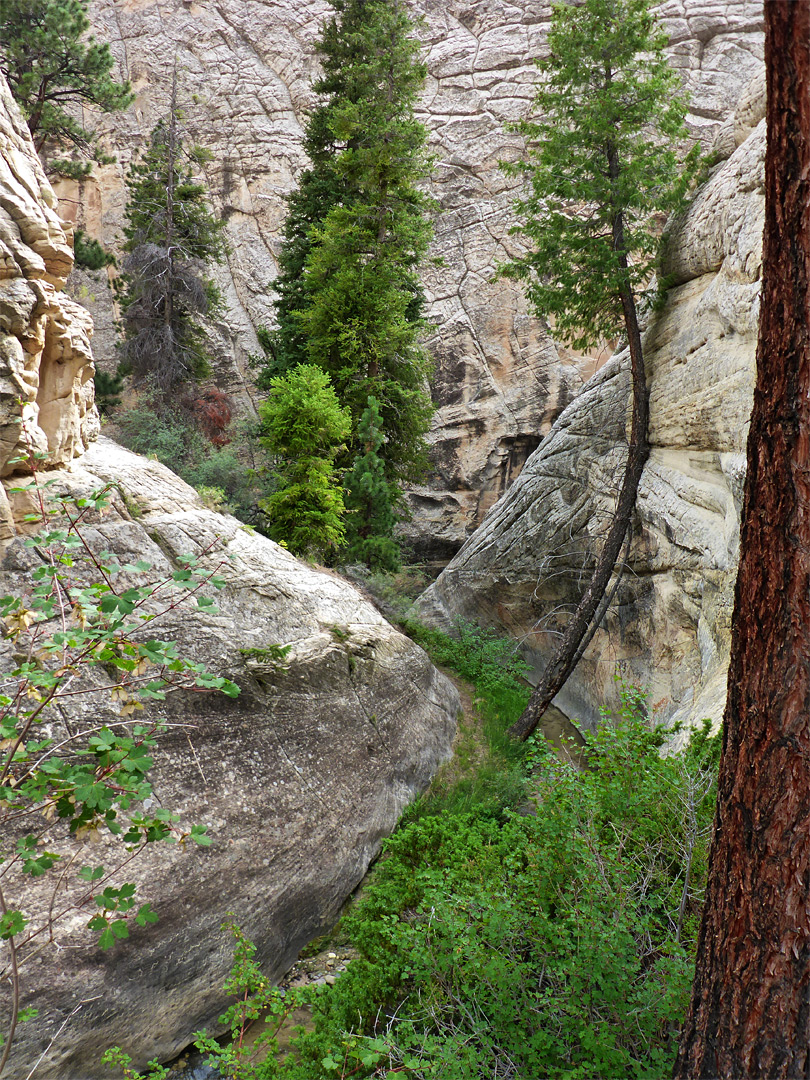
(153, 428)
(304, 427)
(89, 253)
(541, 945)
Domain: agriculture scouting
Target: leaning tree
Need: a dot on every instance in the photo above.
(602, 169)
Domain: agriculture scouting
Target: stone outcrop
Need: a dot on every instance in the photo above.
(298, 779)
(245, 69)
(46, 366)
(668, 629)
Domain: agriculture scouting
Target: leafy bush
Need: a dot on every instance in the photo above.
(174, 437)
(551, 944)
(78, 634)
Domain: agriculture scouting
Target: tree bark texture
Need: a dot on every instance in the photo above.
(569, 651)
(750, 1010)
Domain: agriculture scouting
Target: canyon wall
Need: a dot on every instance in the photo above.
(245, 69)
(298, 779)
(668, 628)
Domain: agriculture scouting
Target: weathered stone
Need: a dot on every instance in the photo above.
(46, 365)
(668, 629)
(299, 778)
(245, 70)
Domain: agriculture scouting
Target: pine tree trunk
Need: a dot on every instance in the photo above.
(568, 652)
(750, 1010)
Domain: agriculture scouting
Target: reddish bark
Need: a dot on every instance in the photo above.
(750, 1011)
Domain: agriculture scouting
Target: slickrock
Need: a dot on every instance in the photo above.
(299, 778)
(245, 68)
(668, 629)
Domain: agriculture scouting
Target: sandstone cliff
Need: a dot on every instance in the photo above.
(245, 68)
(668, 628)
(299, 778)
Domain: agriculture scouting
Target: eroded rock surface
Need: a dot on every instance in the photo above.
(245, 69)
(46, 367)
(668, 629)
(299, 778)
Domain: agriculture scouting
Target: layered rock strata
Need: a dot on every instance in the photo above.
(46, 366)
(245, 69)
(668, 629)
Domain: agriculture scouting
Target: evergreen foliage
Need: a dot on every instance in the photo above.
(602, 153)
(349, 298)
(89, 253)
(370, 499)
(603, 172)
(108, 389)
(171, 235)
(50, 65)
(305, 426)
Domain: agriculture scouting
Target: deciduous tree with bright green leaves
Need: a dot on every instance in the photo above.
(306, 427)
(50, 65)
(349, 298)
(602, 173)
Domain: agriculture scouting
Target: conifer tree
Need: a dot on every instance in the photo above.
(171, 235)
(370, 499)
(602, 170)
(348, 291)
(50, 64)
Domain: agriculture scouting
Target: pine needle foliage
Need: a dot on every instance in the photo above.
(50, 65)
(305, 427)
(370, 499)
(603, 149)
(172, 235)
(349, 298)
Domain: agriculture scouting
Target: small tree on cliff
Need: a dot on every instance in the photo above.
(171, 236)
(348, 291)
(602, 169)
(50, 64)
(750, 1012)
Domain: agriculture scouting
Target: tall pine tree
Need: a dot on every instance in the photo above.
(172, 235)
(602, 170)
(349, 298)
(50, 65)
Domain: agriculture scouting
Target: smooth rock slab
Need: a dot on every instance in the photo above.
(299, 779)
(668, 629)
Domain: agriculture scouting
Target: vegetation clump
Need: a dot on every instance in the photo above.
(357, 228)
(50, 65)
(305, 428)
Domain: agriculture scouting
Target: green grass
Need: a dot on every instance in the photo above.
(487, 775)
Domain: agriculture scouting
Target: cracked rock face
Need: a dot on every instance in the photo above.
(299, 779)
(245, 69)
(46, 367)
(668, 628)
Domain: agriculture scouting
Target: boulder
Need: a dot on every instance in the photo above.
(298, 779)
(668, 628)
